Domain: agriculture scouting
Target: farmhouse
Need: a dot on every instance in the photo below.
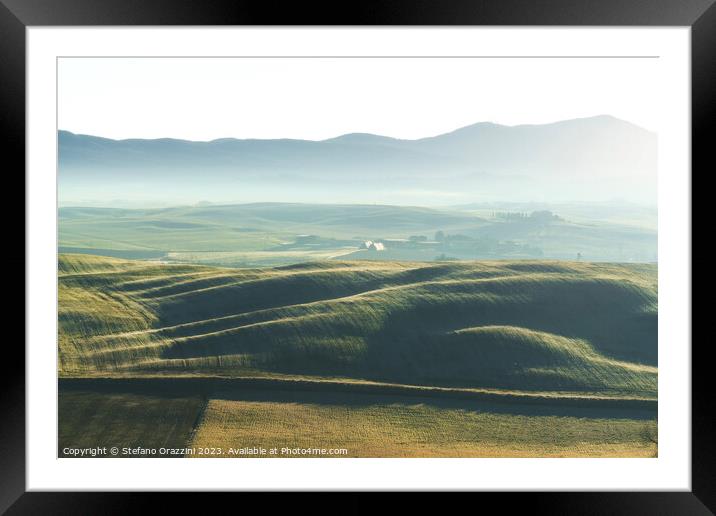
(372, 246)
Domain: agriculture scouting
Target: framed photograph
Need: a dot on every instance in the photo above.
(444, 248)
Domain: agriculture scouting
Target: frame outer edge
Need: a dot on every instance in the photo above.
(366, 12)
(12, 64)
(703, 120)
(12, 127)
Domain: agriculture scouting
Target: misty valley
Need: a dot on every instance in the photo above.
(270, 234)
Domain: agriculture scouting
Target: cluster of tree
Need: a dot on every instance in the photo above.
(461, 245)
(482, 246)
(442, 237)
(540, 216)
(509, 215)
(543, 216)
(445, 258)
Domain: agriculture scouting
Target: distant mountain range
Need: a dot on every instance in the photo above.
(583, 159)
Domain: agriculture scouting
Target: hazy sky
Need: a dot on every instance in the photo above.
(204, 99)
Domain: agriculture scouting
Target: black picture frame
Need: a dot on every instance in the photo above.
(17, 15)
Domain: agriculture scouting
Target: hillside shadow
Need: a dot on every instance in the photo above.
(363, 400)
(319, 395)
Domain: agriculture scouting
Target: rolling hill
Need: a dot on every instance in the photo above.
(529, 326)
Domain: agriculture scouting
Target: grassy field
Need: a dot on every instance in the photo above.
(514, 332)
(91, 419)
(243, 227)
(234, 424)
(366, 426)
(262, 234)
